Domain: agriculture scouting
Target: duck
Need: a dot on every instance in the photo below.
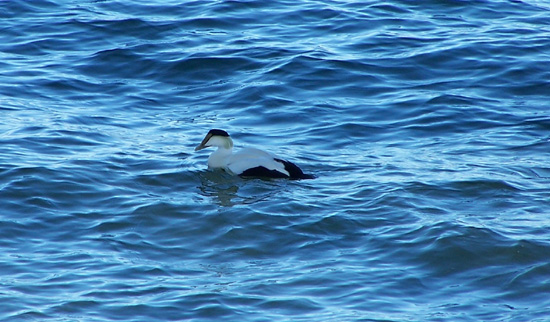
(247, 162)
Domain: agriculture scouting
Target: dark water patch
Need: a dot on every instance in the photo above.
(537, 123)
(178, 71)
(133, 28)
(57, 145)
(119, 60)
(16, 9)
(453, 250)
(212, 67)
(543, 173)
(467, 196)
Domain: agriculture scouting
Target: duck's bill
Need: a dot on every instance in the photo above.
(203, 143)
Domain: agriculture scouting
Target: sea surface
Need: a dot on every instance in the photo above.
(426, 124)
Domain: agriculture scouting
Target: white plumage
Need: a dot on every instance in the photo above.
(247, 162)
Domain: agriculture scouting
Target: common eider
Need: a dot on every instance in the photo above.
(248, 162)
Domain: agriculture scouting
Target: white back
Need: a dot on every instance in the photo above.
(251, 158)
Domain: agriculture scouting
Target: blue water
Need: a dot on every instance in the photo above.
(427, 124)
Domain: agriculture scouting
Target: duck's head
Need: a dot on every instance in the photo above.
(217, 138)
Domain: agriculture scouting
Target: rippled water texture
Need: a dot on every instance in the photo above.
(426, 123)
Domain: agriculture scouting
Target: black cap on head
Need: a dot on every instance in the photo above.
(218, 132)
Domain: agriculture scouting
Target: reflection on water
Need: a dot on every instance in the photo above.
(228, 190)
(219, 187)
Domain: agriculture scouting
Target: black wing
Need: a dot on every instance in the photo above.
(262, 172)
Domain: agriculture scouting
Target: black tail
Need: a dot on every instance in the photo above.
(294, 171)
(307, 176)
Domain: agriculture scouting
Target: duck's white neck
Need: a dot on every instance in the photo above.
(220, 157)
